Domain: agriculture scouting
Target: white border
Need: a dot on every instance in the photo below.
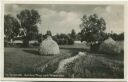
(63, 2)
(121, 2)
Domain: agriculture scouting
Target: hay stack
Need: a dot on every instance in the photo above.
(110, 46)
(49, 47)
(110, 41)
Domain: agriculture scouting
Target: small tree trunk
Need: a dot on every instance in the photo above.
(25, 42)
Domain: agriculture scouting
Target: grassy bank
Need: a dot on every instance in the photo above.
(24, 61)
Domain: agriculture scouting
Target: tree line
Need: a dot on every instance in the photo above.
(92, 29)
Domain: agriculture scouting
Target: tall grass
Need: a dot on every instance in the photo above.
(51, 65)
(90, 66)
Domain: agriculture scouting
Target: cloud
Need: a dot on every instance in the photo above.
(71, 21)
(62, 19)
(13, 9)
(113, 16)
(108, 9)
(59, 21)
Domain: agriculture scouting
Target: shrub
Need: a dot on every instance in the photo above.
(63, 39)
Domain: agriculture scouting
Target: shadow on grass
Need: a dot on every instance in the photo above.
(35, 52)
(75, 51)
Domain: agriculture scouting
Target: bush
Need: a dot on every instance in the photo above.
(63, 39)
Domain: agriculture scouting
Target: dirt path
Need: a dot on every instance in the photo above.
(61, 66)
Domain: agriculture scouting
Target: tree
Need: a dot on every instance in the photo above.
(63, 39)
(73, 34)
(93, 30)
(78, 36)
(29, 20)
(49, 33)
(40, 38)
(121, 36)
(11, 27)
(117, 37)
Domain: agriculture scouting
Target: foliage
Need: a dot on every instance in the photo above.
(73, 34)
(40, 37)
(78, 36)
(93, 30)
(63, 39)
(117, 37)
(11, 27)
(29, 20)
(49, 33)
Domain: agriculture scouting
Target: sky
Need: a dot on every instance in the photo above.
(62, 18)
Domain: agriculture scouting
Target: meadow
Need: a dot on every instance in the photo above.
(26, 62)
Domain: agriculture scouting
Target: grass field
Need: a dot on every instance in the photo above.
(21, 62)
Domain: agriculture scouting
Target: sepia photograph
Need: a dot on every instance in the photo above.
(64, 41)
